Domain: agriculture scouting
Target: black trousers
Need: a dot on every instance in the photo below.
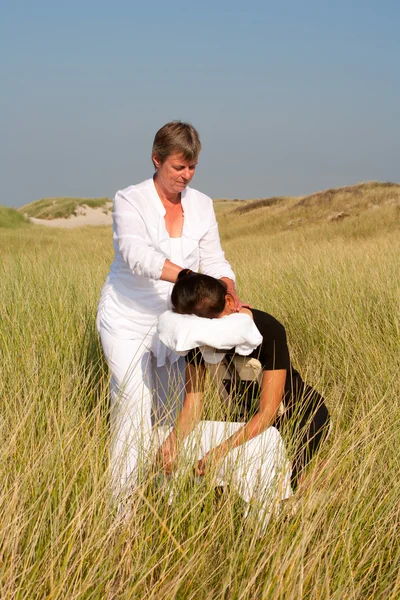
(306, 419)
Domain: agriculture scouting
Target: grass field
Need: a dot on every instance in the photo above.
(335, 286)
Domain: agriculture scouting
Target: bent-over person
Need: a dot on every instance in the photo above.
(281, 398)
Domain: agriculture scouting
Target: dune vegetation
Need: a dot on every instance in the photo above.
(334, 283)
(10, 218)
(270, 215)
(62, 208)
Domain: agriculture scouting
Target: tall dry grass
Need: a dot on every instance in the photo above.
(335, 287)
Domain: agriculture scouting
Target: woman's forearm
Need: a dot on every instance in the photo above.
(187, 420)
(272, 390)
(189, 415)
(230, 283)
(256, 425)
(170, 271)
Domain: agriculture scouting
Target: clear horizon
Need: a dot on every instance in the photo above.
(288, 99)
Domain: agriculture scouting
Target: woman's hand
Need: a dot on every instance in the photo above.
(238, 304)
(167, 454)
(200, 468)
(211, 459)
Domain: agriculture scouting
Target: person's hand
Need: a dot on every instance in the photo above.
(167, 455)
(210, 460)
(200, 468)
(231, 290)
(238, 303)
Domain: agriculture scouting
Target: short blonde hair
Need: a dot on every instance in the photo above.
(176, 137)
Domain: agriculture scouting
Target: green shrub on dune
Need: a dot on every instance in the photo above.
(11, 218)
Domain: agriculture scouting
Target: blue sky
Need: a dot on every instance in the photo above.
(289, 97)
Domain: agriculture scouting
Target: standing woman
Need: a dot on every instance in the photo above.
(160, 227)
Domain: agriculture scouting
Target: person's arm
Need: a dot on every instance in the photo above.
(231, 289)
(214, 263)
(188, 417)
(170, 271)
(272, 390)
(130, 235)
(212, 259)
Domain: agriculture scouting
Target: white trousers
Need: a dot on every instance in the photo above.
(143, 396)
(258, 470)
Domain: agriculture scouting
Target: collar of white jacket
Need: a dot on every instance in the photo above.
(182, 333)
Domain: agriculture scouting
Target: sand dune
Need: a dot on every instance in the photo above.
(86, 216)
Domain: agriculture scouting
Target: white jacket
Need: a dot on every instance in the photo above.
(133, 295)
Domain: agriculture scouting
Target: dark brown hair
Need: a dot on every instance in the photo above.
(176, 137)
(198, 294)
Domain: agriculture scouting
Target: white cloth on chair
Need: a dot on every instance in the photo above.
(258, 470)
(182, 333)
